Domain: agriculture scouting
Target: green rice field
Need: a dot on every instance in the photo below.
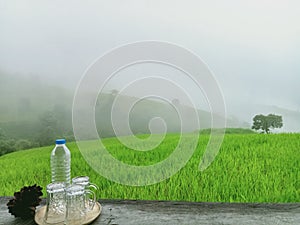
(248, 168)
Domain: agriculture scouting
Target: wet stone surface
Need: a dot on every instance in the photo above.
(167, 212)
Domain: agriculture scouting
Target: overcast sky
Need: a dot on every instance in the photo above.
(253, 47)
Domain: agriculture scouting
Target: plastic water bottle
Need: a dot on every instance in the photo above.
(61, 163)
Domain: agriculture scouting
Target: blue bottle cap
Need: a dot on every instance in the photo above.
(60, 141)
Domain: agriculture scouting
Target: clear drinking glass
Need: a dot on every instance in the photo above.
(56, 204)
(76, 207)
(85, 182)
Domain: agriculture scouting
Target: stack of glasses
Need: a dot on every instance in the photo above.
(70, 204)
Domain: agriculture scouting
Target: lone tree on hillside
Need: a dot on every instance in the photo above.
(264, 123)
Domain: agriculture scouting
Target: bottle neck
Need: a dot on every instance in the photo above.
(60, 145)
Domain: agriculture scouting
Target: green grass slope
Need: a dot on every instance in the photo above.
(248, 168)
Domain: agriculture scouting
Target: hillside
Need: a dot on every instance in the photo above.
(34, 113)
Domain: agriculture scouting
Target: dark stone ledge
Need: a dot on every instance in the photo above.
(171, 212)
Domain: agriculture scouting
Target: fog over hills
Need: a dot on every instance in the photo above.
(252, 48)
(25, 100)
